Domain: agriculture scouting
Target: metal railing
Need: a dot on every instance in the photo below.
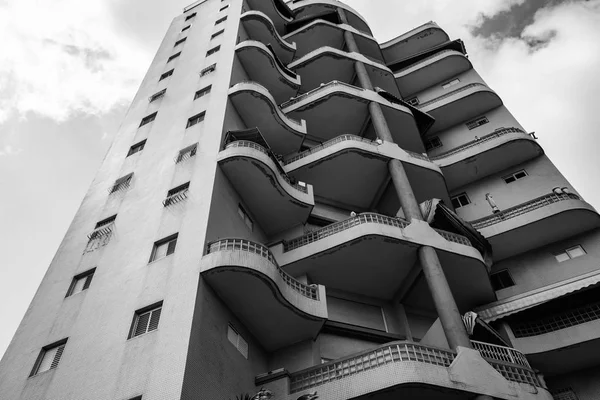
(322, 87)
(500, 353)
(248, 144)
(496, 134)
(329, 143)
(309, 291)
(521, 209)
(453, 237)
(452, 93)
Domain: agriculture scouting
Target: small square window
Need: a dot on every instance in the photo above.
(477, 122)
(196, 119)
(186, 28)
(157, 95)
(213, 51)
(202, 92)
(224, 7)
(501, 280)
(174, 56)
(146, 120)
(413, 101)
(245, 217)
(570, 253)
(451, 83)
(177, 194)
(238, 341)
(190, 16)
(220, 20)
(145, 320)
(460, 200)
(164, 248)
(121, 183)
(186, 153)
(433, 143)
(214, 35)
(515, 176)
(136, 148)
(177, 43)
(166, 74)
(81, 282)
(208, 70)
(49, 357)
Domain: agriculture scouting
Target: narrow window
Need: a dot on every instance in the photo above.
(136, 148)
(190, 16)
(174, 56)
(220, 20)
(157, 95)
(214, 35)
(433, 143)
(208, 70)
(477, 122)
(460, 200)
(49, 357)
(224, 8)
(245, 217)
(196, 119)
(238, 341)
(202, 92)
(186, 153)
(515, 176)
(570, 253)
(177, 194)
(177, 43)
(81, 282)
(413, 101)
(163, 248)
(213, 51)
(121, 183)
(501, 280)
(451, 83)
(166, 74)
(186, 28)
(145, 320)
(146, 120)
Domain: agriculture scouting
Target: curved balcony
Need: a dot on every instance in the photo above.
(413, 42)
(538, 222)
(327, 64)
(415, 371)
(257, 108)
(275, 201)
(261, 28)
(430, 71)
(492, 153)
(247, 278)
(308, 9)
(337, 256)
(353, 171)
(264, 68)
(337, 107)
(277, 11)
(460, 105)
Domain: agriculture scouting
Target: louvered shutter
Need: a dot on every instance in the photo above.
(47, 360)
(154, 318)
(242, 346)
(232, 335)
(57, 356)
(142, 324)
(88, 281)
(171, 248)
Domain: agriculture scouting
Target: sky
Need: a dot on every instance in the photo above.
(69, 68)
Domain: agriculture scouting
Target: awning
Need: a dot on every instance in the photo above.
(423, 120)
(505, 307)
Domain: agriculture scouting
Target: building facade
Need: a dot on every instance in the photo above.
(291, 205)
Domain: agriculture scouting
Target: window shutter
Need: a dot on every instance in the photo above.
(88, 281)
(142, 324)
(47, 360)
(57, 356)
(243, 346)
(154, 318)
(232, 335)
(171, 248)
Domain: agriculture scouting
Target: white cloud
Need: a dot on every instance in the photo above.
(8, 150)
(62, 57)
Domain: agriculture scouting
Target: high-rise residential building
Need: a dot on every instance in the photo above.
(291, 205)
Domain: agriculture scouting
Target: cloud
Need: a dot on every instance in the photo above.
(64, 57)
(8, 150)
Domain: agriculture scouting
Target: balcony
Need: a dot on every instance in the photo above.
(460, 105)
(276, 202)
(353, 171)
(430, 71)
(275, 307)
(260, 27)
(492, 153)
(336, 256)
(310, 9)
(327, 64)
(264, 68)
(277, 11)
(413, 371)
(414, 42)
(538, 222)
(257, 108)
(337, 107)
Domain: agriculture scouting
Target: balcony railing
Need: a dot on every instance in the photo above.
(521, 209)
(248, 144)
(395, 352)
(501, 353)
(453, 237)
(308, 291)
(424, 60)
(310, 92)
(496, 134)
(329, 143)
(452, 93)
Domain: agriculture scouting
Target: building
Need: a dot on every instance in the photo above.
(291, 205)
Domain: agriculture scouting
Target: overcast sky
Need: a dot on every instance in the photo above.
(69, 68)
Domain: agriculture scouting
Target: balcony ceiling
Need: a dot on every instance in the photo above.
(313, 8)
(270, 8)
(259, 27)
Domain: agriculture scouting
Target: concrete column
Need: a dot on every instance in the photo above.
(404, 191)
(448, 313)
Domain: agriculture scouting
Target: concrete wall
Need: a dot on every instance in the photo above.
(435, 91)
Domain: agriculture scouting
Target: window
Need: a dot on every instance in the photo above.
(145, 320)
(238, 341)
(217, 22)
(164, 248)
(81, 282)
(202, 92)
(136, 148)
(190, 16)
(177, 43)
(121, 183)
(515, 176)
(196, 119)
(477, 122)
(103, 228)
(460, 200)
(186, 153)
(564, 394)
(146, 120)
(174, 56)
(224, 8)
(186, 28)
(157, 95)
(177, 194)
(413, 101)
(208, 70)
(433, 143)
(451, 83)
(214, 35)
(245, 217)
(213, 51)
(570, 253)
(166, 75)
(501, 280)
(49, 357)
